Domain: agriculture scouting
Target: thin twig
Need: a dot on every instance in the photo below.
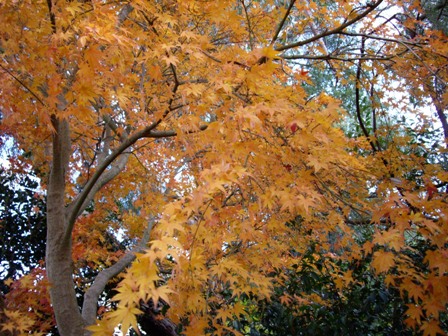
(282, 23)
(23, 84)
(333, 31)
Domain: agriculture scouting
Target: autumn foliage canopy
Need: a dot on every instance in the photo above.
(217, 141)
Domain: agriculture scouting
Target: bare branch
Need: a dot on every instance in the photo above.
(89, 307)
(282, 23)
(338, 58)
(333, 31)
(52, 16)
(380, 38)
(114, 127)
(249, 26)
(124, 13)
(106, 177)
(211, 56)
(111, 173)
(358, 100)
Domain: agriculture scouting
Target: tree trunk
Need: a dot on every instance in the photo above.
(58, 252)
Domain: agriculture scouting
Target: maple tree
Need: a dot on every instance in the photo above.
(188, 129)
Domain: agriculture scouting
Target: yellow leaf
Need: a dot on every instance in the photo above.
(9, 326)
(270, 53)
(127, 293)
(170, 60)
(103, 327)
(316, 163)
(161, 292)
(126, 316)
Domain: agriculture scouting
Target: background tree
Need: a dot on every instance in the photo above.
(22, 227)
(22, 245)
(195, 112)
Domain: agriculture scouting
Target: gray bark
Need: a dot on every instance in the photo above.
(61, 217)
(58, 250)
(90, 304)
(60, 222)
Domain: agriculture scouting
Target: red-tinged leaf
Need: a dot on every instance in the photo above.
(293, 127)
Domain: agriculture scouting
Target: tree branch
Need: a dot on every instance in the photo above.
(89, 307)
(249, 26)
(333, 31)
(282, 23)
(358, 99)
(380, 38)
(23, 85)
(124, 13)
(52, 16)
(148, 132)
(338, 58)
(110, 174)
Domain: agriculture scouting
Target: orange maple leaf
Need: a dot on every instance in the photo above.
(383, 261)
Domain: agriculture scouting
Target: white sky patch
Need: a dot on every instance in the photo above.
(5, 152)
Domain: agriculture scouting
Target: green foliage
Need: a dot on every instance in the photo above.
(367, 307)
(437, 13)
(22, 225)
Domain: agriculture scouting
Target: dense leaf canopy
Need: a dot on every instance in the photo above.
(202, 156)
